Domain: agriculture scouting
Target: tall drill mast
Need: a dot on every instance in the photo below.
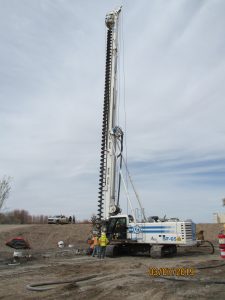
(159, 237)
(110, 132)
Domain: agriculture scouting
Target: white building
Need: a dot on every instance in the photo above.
(219, 218)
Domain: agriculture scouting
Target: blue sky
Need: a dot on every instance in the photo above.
(172, 70)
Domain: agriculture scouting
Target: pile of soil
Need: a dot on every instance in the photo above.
(44, 237)
(210, 231)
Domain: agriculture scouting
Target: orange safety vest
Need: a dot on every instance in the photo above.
(95, 241)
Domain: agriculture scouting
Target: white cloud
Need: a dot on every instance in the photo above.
(51, 96)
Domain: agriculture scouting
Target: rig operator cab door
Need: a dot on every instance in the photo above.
(117, 228)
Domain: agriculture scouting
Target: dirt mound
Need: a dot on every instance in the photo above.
(211, 231)
(43, 237)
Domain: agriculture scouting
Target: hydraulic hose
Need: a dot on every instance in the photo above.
(121, 161)
(197, 280)
(200, 280)
(44, 286)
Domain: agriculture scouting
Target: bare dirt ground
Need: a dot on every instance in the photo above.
(122, 277)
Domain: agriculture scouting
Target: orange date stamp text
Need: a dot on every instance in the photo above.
(180, 272)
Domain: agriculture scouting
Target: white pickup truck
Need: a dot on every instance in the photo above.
(58, 220)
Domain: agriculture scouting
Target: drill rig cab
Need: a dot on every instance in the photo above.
(158, 237)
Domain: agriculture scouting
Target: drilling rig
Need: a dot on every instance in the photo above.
(158, 237)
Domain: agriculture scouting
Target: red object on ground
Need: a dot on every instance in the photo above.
(18, 243)
(221, 238)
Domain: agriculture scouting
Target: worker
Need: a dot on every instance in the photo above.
(90, 243)
(103, 241)
(95, 243)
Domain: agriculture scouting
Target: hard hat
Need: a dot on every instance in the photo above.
(60, 244)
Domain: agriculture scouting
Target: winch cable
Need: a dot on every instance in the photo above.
(124, 92)
(103, 162)
(133, 187)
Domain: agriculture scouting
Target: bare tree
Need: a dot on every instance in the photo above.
(4, 189)
(94, 219)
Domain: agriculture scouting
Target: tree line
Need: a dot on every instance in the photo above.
(22, 216)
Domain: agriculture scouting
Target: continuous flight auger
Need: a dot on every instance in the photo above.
(102, 175)
(127, 233)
